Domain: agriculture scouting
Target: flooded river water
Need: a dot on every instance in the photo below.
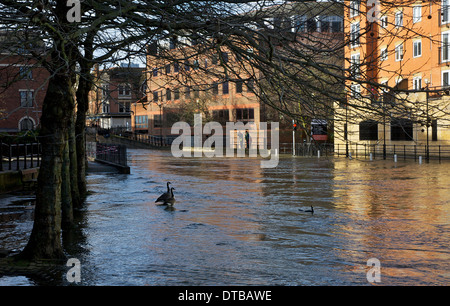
(237, 224)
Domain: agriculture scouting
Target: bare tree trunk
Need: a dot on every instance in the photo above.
(84, 87)
(66, 190)
(45, 239)
(73, 178)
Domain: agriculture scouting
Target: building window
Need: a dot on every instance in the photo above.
(354, 8)
(221, 116)
(417, 48)
(187, 92)
(399, 19)
(368, 130)
(155, 96)
(355, 65)
(26, 98)
(167, 69)
(384, 54)
(176, 94)
(168, 94)
(384, 21)
(331, 24)
(399, 52)
(124, 107)
(417, 14)
(354, 34)
(105, 91)
(157, 121)
(172, 43)
(445, 6)
(196, 65)
(417, 83)
(124, 90)
(105, 107)
(25, 72)
(355, 91)
(245, 114)
(445, 78)
(239, 86)
(250, 86)
(215, 89)
(176, 67)
(445, 47)
(401, 129)
(299, 23)
(141, 122)
(26, 124)
(225, 89)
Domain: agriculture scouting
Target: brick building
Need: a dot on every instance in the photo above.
(23, 85)
(179, 76)
(114, 92)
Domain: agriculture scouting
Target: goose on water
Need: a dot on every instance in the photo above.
(167, 198)
(308, 210)
(165, 194)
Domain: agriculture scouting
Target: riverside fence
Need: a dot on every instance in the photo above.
(19, 156)
(436, 152)
(112, 154)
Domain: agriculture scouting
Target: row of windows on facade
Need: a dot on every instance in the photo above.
(195, 64)
(123, 90)
(398, 22)
(355, 89)
(400, 130)
(124, 107)
(239, 88)
(240, 114)
(296, 23)
(354, 11)
(443, 50)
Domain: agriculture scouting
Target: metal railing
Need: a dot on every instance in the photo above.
(112, 153)
(19, 156)
(308, 149)
(388, 151)
(152, 140)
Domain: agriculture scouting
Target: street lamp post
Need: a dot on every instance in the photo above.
(427, 124)
(427, 152)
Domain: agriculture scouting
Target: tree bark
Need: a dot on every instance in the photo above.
(45, 239)
(84, 86)
(66, 190)
(77, 198)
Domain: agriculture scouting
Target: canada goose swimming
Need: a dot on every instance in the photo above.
(308, 210)
(167, 198)
(166, 195)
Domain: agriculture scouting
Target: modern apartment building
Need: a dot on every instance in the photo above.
(398, 64)
(219, 83)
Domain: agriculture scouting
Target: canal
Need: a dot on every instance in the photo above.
(235, 223)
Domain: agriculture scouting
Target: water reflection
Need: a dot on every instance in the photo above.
(237, 224)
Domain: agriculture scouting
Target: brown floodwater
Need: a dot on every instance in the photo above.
(235, 223)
